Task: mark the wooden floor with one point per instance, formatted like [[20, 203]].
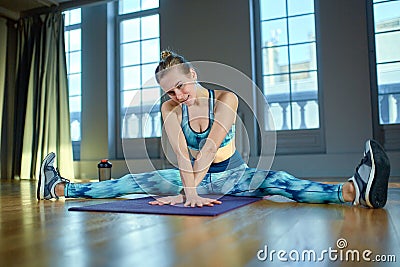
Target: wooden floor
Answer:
[[45, 233]]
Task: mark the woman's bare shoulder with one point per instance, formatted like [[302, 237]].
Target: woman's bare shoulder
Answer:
[[171, 106], [226, 97]]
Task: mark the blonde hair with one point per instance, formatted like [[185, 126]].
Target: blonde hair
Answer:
[[170, 59]]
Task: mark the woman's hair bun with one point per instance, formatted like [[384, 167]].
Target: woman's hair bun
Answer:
[[169, 59], [165, 54]]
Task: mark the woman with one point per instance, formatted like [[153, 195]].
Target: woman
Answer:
[[200, 124]]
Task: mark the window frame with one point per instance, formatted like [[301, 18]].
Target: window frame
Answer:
[[76, 145], [131, 148], [386, 134], [297, 141]]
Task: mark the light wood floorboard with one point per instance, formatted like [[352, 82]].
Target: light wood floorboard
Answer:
[[45, 233]]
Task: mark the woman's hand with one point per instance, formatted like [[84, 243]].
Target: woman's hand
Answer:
[[171, 200], [192, 201], [197, 201]]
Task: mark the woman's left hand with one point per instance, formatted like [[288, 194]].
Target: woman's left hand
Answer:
[[170, 200]]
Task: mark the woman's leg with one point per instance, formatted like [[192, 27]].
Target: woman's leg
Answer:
[[160, 182], [253, 182]]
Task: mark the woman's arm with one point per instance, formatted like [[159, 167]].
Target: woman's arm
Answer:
[[224, 116], [178, 144]]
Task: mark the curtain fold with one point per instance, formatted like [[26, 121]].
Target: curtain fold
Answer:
[[41, 122], [3, 56]]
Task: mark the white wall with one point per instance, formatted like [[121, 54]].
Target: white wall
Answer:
[[94, 83]]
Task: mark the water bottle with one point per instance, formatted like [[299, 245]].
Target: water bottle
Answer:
[[104, 167]]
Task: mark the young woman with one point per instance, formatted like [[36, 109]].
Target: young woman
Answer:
[[200, 124]]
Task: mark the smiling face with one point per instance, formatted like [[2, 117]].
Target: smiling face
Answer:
[[179, 86]]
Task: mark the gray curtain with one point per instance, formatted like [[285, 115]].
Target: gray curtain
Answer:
[[3, 55], [41, 114]]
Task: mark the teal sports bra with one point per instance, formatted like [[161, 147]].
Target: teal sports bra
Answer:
[[196, 140]]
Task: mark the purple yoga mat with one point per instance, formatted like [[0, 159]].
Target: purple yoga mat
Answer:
[[141, 205]]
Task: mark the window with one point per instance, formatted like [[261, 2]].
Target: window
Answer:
[[387, 59], [139, 49], [289, 64], [287, 71], [138, 45], [74, 73]]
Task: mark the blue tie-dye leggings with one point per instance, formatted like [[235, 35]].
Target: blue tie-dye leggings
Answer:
[[239, 181]]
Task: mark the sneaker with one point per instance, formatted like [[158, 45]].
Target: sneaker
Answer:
[[48, 179], [371, 177]]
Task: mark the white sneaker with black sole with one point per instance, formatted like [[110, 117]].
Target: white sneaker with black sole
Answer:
[[48, 179], [371, 177]]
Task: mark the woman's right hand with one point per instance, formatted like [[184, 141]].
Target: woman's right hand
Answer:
[[197, 201], [170, 200]]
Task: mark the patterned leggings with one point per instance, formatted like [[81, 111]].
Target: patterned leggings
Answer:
[[239, 181]]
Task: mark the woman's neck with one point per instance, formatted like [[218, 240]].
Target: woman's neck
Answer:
[[202, 96]]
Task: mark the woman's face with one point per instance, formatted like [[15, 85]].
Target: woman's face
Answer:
[[180, 87]]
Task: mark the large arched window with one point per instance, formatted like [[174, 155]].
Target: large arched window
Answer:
[[139, 53], [385, 66], [73, 50], [288, 71]]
